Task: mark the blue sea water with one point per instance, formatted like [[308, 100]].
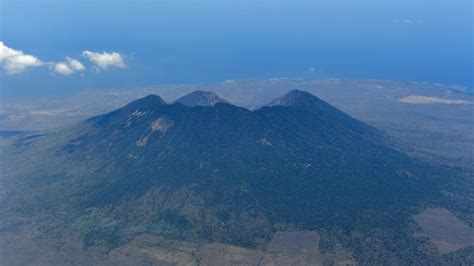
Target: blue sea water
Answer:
[[176, 42]]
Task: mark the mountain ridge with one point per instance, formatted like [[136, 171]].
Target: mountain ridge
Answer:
[[222, 173]]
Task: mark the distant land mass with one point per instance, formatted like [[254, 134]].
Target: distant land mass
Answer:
[[203, 181]]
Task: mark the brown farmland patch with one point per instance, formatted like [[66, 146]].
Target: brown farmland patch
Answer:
[[445, 230]]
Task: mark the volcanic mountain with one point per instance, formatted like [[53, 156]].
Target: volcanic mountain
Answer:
[[206, 170], [200, 98]]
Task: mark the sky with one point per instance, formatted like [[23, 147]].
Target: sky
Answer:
[[62, 47]]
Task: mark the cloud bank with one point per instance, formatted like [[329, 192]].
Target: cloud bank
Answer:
[[15, 61], [105, 60]]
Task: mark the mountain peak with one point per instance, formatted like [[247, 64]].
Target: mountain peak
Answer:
[[200, 98], [153, 98], [147, 101], [296, 98]]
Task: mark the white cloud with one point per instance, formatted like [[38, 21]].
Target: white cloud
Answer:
[[105, 60], [406, 21], [15, 61], [74, 64], [68, 67], [62, 68]]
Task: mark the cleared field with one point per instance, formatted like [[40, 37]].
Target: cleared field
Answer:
[[445, 230], [287, 248]]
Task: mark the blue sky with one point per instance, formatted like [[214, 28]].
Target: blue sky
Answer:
[[133, 44]]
